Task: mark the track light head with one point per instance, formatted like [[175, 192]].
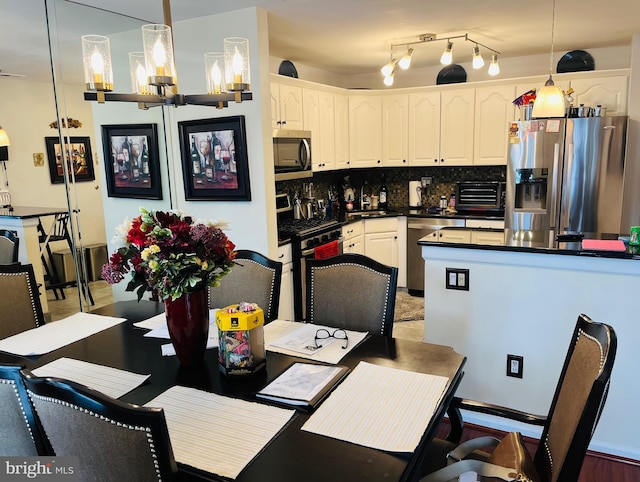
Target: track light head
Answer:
[[494, 68], [405, 61], [478, 61], [447, 55]]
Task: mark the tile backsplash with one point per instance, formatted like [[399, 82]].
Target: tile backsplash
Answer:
[[397, 180]]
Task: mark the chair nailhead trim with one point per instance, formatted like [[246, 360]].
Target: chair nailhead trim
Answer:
[[24, 414], [31, 297], [384, 313], [147, 430], [273, 282]]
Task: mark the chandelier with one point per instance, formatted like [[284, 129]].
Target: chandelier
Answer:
[[389, 69], [153, 73]]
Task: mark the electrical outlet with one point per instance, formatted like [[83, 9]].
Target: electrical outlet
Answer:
[[515, 366], [426, 181]]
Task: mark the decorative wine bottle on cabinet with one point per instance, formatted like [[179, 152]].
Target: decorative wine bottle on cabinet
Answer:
[[382, 200]]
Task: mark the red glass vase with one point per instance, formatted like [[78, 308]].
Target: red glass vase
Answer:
[[188, 323]]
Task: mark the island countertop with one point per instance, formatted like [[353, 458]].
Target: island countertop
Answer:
[[570, 248]]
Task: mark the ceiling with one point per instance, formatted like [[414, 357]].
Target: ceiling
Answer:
[[344, 37]]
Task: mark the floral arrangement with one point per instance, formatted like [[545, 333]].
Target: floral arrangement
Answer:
[[169, 253]]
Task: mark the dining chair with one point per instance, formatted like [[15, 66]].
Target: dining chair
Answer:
[[575, 410], [351, 291], [254, 279], [9, 246], [113, 440], [21, 434], [21, 308]]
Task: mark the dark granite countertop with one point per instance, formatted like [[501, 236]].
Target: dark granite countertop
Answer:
[[571, 248]]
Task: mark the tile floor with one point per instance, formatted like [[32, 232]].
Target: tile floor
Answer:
[[101, 292]]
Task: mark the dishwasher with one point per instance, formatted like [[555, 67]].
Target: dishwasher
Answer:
[[418, 228]]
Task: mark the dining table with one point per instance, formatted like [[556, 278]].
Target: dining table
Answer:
[[293, 453]]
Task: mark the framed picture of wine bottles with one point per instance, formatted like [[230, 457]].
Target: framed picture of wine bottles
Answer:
[[131, 161], [76, 156], [214, 159]]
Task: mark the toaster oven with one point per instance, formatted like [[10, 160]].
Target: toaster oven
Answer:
[[480, 196]]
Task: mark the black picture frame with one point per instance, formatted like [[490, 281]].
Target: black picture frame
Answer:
[[79, 149], [130, 171], [215, 165]]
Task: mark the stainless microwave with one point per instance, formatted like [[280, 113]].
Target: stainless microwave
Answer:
[[292, 154]]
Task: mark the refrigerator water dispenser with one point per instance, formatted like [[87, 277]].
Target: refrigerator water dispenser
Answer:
[[531, 189]]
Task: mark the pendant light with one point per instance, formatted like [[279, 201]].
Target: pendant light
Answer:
[[549, 99]]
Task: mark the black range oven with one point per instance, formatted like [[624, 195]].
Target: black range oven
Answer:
[[310, 238]]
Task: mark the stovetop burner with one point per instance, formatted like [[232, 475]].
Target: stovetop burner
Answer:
[[305, 227]]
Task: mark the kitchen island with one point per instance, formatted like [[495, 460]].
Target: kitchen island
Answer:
[[523, 299]]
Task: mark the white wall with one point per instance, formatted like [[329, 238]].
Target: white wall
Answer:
[[527, 304], [252, 223], [26, 110], [605, 59]]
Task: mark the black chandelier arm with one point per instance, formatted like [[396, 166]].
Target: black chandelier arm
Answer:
[[153, 100]]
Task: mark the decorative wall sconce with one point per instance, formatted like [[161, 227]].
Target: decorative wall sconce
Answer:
[[389, 69]]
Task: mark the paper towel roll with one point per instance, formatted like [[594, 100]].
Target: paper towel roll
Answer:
[[415, 194]]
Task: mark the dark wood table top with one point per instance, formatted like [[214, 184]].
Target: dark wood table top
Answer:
[[293, 454]]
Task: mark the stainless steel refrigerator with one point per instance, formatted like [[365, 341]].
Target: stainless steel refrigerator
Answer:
[[565, 177]]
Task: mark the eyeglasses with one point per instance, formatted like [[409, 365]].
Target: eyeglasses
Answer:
[[339, 334]]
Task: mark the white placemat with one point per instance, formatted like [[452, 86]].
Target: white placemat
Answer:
[[56, 334], [291, 338], [379, 407], [218, 434], [110, 381]]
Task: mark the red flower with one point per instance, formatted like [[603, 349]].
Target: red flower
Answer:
[[136, 235]]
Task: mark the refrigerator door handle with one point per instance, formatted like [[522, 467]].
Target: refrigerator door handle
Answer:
[[554, 187], [567, 190]]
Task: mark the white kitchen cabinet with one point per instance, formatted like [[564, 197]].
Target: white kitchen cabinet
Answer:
[[492, 238], [454, 236], [609, 92], [365, 131], [485, 223], [285, 310], [311, 122], [324, 144], [441, 128], [424, 128], [341, 106], [494, 110], [456, 127], [353, 237], [286, 107], [395, 130], [381, 240]]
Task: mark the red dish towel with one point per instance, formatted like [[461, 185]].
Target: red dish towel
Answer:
[[327, 250], [603, 245]]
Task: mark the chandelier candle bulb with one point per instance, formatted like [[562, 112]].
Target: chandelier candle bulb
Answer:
[[96, 55], [236, 64], [158, 54]]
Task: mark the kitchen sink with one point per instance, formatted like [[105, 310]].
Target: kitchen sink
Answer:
[[369, 213]]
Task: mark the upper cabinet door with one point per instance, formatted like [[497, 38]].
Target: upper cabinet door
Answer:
[[424, 129], [365, 131], [456, 135], [341, 106], [493, 112], [395, 127], [609, 92], [325, 141], [311, 121], [286, 107]]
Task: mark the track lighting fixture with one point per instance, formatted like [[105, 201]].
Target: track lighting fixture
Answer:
[[446, 59], [447, 55], [494, 68], [405, 61], [478, 61]]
